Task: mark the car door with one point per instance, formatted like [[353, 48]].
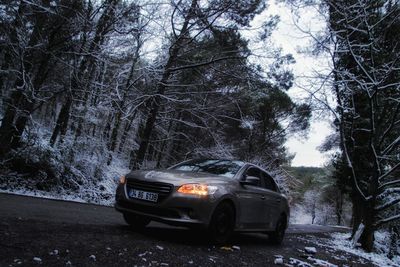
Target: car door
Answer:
[[273, 200], [252, 201]]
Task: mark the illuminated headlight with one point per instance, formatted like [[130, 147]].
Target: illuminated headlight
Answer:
[[197, 189], [122, 179]]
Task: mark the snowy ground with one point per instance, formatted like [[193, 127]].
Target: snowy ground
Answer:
[[105, 197], [340, 244], [99, 191], [341, 241]]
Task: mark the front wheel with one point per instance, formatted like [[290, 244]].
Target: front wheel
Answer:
[[276, 237], [136, 221], [222, 223]]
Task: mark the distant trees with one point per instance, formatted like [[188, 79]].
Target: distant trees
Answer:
[[318, 197]]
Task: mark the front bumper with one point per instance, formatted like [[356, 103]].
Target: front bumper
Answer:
[[176, 209]]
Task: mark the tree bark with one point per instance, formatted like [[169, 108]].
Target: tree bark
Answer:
[[62, 122], [339, 207], [127, 127]]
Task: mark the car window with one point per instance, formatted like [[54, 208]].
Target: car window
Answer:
[[254, 172], [269, 182], [226, 168]]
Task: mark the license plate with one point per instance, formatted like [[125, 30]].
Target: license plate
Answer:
[[139, 194]]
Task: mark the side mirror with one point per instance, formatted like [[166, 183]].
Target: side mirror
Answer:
[[251, 180]]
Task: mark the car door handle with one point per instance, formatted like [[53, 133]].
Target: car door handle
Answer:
[[263, 197]]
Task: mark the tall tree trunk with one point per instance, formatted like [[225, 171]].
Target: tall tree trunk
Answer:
[[357, 211], [164, 144], [7, 130], [339, 207], [62, 122], [161, 86], [127, 127], [368, 236]]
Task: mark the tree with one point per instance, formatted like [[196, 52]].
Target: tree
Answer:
[[367, 91], [362, 42]]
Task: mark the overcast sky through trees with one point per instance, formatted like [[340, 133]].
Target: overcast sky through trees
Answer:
[[290, 37]]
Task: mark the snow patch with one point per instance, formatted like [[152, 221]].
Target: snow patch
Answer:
[[340, 241], [299, 215], [278, 261], [53, 253], [299, 263], [321, 263], [247, 124], [18, 261], [310, 250], [37, 260]]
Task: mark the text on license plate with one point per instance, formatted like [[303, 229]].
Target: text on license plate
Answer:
[[139, 194]]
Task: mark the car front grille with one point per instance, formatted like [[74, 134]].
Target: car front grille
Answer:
[[162, 189]]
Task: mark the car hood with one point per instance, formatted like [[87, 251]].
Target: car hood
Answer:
[[178, 178]]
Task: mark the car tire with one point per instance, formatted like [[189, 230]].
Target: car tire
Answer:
[[222, 223], [276, 237], [136, 221]]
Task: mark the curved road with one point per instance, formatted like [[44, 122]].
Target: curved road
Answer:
[[36, 231]]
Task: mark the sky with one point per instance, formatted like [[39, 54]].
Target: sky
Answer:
[[291, 37]]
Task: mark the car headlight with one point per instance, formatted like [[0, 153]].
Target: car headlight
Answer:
[[197, 189], [122, 179]]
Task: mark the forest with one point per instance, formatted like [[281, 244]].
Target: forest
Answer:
[[91, 89]]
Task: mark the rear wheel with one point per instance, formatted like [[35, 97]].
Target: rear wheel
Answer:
[[136, 221], [222, 223], [276, 237]]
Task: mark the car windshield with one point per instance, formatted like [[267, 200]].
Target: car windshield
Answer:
[[226, 168]]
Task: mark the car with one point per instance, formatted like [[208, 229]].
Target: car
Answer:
[[219, 195]]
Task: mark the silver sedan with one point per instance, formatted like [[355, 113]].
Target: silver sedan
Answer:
[[221, 196]]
